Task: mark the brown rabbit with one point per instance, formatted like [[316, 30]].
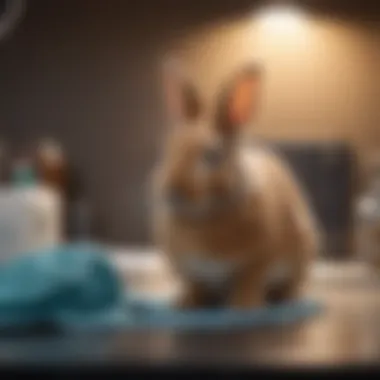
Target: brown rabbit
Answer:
[[230, 215]]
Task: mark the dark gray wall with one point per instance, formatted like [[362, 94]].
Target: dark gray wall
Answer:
[[85, 72]]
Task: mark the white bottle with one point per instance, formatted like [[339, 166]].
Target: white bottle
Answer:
[[30, 220]]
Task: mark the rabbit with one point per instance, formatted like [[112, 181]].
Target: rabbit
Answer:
[[228, 214]]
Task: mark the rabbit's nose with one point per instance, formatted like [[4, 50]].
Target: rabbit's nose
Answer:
[[184, 194], [174, 195]]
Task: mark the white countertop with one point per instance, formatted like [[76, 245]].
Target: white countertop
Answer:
[[147, 270]]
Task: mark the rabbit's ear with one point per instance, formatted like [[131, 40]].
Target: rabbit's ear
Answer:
[[239, 100], [181, 98]]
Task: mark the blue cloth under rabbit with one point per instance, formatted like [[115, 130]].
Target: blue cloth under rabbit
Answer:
[[76, 287]]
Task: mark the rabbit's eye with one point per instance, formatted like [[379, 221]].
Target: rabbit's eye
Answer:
[[212, 156]]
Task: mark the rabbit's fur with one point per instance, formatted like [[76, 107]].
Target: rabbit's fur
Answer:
[[229, 215]]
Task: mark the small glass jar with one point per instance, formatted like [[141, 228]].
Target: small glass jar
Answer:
[[368, 223], [4, 163]]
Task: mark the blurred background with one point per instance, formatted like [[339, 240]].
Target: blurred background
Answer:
[[81, 119]]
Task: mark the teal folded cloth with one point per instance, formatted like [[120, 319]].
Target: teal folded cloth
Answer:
[[76, 287], [68, 285]]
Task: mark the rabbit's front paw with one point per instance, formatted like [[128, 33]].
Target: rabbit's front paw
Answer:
[[248, 292], [192, 298], [246, 300]]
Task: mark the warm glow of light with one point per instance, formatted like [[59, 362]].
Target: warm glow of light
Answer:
[[281, 19]]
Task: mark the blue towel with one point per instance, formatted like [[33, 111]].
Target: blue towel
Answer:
[[76, 287]]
